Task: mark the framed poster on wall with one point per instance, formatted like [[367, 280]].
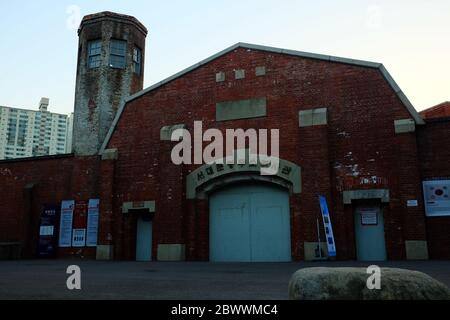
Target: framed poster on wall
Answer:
[[92, 222], [78, 237], [65, 223], [47, 230], [79, 224], [437, 197]]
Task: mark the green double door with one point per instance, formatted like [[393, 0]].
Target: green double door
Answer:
[[250, 222]]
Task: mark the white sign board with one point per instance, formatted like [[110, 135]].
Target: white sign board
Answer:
[[92, 223], [79, 237], [65, 223], [46, 231], [412, 203], [437, 197], [369, 217]]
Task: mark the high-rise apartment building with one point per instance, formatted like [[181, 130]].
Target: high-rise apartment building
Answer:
[[29, 133]]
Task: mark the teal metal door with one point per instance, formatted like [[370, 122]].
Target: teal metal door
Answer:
[[369, 232], [250, 223], [144, 239]]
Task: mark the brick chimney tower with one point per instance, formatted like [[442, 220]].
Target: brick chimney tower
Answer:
[[110, 68]]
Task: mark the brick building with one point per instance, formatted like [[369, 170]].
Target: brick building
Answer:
[[347, 132]]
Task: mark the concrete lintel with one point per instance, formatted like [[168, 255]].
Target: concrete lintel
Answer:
[[319, 116], [305, 118], [312, 117], [241, 109], [165, 133], [171, 252], [138, 205], [350, 195], [30, 185], [404, 125], [416, 249], [110, 154]]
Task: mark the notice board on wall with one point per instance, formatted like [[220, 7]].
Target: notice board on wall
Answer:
[[92, 222], [369, 217], [437, 197], [65, 223]]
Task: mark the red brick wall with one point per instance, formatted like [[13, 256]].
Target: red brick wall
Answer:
[[27, 185], [434, 157], [359, 141]]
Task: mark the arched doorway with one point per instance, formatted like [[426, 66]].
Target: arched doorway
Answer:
[[250, 222]]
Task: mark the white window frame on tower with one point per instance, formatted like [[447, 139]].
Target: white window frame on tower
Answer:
[[137, 60], [94, 53], [117, 53]]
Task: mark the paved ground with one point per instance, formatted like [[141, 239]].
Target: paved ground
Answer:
[[38, 279]]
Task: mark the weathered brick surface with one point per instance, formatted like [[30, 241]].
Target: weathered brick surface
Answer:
[[100, 91]]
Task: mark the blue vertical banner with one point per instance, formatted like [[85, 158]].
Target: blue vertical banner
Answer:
[[92, 222], [327, 227]]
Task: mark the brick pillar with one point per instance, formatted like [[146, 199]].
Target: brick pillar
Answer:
[[410, 188], [316, 180], [105, 242], [202, 235], [297, 248], [191, 230], [171, 208]]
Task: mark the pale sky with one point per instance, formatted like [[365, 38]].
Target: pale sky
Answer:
[[38, 40]]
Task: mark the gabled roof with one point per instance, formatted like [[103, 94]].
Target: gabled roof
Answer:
[[417, 118]]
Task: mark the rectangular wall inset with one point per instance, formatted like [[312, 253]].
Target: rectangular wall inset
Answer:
[[241, 109]]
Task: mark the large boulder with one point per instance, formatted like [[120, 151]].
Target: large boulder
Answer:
[[351, 284]]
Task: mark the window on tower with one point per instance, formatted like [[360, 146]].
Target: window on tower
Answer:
[[137, 58], [117, 54], [94, 53]]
